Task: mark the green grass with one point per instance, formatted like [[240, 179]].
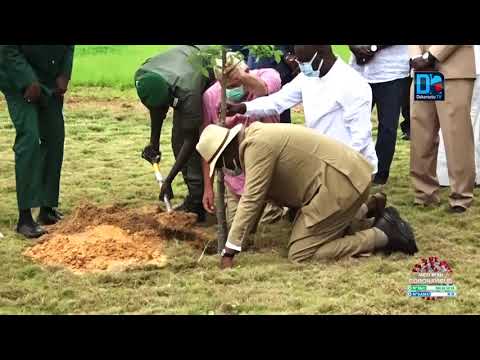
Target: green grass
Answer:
[[105, 132], [343, 51], [106, 128], [115, 65]]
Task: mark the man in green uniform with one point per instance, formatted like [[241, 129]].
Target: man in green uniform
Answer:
[[34, 79], [169, 80]]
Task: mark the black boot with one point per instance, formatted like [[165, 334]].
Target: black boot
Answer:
[[27, 227], [189, 207], [399, 232], [376, 205], [49, 216]]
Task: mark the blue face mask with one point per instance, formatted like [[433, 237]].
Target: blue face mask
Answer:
[[236, 94], [307, 69]]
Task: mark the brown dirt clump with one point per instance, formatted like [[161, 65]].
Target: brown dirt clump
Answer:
[[113, 238], [103, 247]]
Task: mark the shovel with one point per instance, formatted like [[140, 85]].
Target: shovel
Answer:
[[159, 178]]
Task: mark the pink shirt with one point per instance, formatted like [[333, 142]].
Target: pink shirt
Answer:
[[211, 103]]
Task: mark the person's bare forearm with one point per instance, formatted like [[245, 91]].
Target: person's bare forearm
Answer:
[[207, 181], [156, 123], [187, 149]]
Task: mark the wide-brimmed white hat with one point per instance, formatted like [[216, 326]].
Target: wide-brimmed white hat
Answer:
[[213, 142], [233, 60]]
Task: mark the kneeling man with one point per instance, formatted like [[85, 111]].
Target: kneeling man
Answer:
[[297, 167]]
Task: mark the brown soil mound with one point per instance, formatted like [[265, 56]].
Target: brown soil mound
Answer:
[[113, 238], [167, 225], [104, 247]]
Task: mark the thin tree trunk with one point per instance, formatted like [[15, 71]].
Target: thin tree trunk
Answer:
[[220, 206]]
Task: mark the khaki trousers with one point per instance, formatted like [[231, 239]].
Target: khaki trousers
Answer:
[[453, 117], [333, 238]]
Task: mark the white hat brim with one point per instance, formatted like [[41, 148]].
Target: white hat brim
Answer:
[[231, 135]]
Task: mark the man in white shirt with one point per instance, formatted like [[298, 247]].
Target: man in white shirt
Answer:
[[386, 68], [337, 101]]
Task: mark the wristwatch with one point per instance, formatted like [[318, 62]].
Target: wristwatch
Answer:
[[226, 254], [427, 56]]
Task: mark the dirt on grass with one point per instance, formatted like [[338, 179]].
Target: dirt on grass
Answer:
[[115, 238]]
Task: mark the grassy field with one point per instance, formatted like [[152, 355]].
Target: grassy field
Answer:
[[106, 128], [110, 66], [114, 66]]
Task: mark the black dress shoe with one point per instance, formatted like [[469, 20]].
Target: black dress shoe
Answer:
[[457, 209], [49, 217], [57, 214], [376, 205], [399, 232], [406, 137], [31, 231]]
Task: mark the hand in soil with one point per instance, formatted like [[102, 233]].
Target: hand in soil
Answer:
[[226, 262]]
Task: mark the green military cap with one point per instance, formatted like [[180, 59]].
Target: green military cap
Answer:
[[153, 90]]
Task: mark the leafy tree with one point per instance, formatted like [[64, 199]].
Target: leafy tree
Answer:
[[206, 61]]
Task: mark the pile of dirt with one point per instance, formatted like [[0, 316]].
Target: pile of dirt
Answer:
[[114, 238], [147, 219], [103, 247]]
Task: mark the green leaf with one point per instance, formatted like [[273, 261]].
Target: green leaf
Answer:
[[205, 59], [204, 72], [278, 57]]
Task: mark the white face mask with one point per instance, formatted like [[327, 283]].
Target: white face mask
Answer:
[[235, 172], [307, 69]]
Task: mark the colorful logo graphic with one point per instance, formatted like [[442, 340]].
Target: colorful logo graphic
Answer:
[[429, 86], [431, 280]]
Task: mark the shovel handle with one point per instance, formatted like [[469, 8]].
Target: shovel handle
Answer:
[[159, 178]]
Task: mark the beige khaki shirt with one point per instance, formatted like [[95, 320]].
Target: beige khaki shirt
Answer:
[[287, 164]]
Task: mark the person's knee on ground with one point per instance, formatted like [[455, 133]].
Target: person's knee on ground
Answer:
[[390, 233]]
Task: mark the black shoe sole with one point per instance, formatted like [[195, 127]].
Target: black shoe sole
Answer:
[[403, 229], [32, 236], [456, 210], [377, 213]]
